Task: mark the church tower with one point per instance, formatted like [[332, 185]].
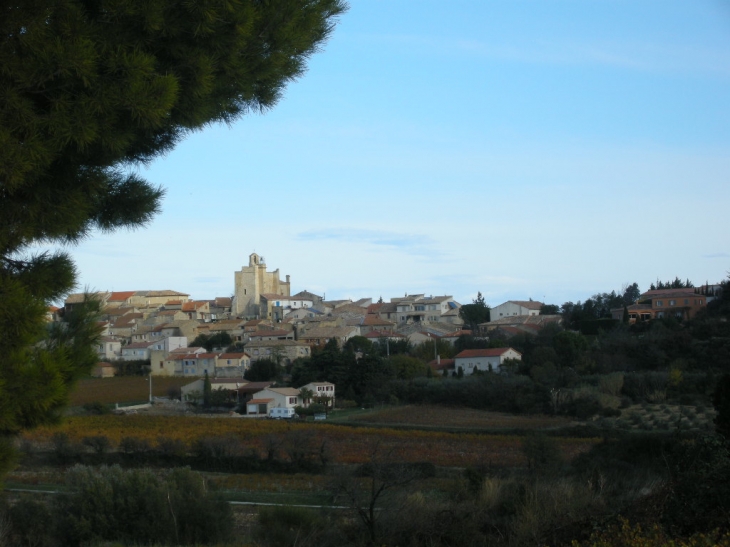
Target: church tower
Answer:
[[253, 281]]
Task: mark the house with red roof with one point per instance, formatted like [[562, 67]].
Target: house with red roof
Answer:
[[485, 360]]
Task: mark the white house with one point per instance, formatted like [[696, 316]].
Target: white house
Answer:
[[273, 397], [484, 359], [143, 350], [320, 389], [108, 348], [515, 307]]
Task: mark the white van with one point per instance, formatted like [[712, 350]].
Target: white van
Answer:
[[285, 413]]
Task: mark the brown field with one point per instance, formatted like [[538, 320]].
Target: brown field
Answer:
[[458, 418], [344, 444], [123, 389]]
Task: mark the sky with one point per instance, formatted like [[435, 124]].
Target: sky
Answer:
[[544, 149]]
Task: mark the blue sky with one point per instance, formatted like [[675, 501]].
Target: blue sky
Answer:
[[545, 149]]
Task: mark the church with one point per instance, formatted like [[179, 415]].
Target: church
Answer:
[[253, 281]]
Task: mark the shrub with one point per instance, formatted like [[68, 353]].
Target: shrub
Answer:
[[99, 444], [651, 536], [135, 448], [542, 452], [141, 507], [96, 407], [28, 524], [171, 447], [286, 526], [64, 451]]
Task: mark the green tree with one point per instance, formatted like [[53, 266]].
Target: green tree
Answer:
[[405, 367], [475, 313], [721, 401], [89, 91], [549, 309], [263, 370], [209, 342], [207, 391]]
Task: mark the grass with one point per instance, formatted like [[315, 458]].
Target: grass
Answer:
[[123, 389]]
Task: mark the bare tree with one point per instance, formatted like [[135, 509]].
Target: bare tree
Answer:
[[370, 488]]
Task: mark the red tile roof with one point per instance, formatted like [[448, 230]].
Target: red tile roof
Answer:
[[192, 306], [529, 304], [121, 296], [489, 352], [278, 332], [445, 363], [372, 319], [382, 334]]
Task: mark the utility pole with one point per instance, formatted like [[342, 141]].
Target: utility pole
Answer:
[[150, 379]]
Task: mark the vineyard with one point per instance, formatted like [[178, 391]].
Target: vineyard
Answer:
[[345, 445]]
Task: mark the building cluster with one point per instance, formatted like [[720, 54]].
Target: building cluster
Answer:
[[264, 398], [264, 319]]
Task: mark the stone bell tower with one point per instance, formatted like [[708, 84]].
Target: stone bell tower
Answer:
[[251, 282]]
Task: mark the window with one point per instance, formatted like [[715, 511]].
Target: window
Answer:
[[659, 303], [292, 400], [686, 301], [672, 302]]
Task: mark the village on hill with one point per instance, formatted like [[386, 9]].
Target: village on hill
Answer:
[[172, 334]]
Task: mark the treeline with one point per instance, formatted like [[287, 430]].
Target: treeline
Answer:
[[561, 370], [295, 452]]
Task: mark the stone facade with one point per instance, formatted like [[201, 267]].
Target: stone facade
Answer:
[[253, 281]]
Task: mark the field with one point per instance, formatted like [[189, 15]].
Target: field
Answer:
[[345, 445], [459, 418], [123, 389]]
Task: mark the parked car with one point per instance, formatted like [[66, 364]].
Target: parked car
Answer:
[[282, 413]]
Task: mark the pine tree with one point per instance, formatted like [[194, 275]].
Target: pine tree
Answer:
[[89, 89]]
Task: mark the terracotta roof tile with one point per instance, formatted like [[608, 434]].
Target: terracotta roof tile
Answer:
[[489, 352], [121, 296], [529, 304]]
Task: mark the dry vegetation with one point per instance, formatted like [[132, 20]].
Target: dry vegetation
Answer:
[[345, 445]]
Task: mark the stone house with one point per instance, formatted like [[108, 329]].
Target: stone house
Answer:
[[283, 350], [232, 365]]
